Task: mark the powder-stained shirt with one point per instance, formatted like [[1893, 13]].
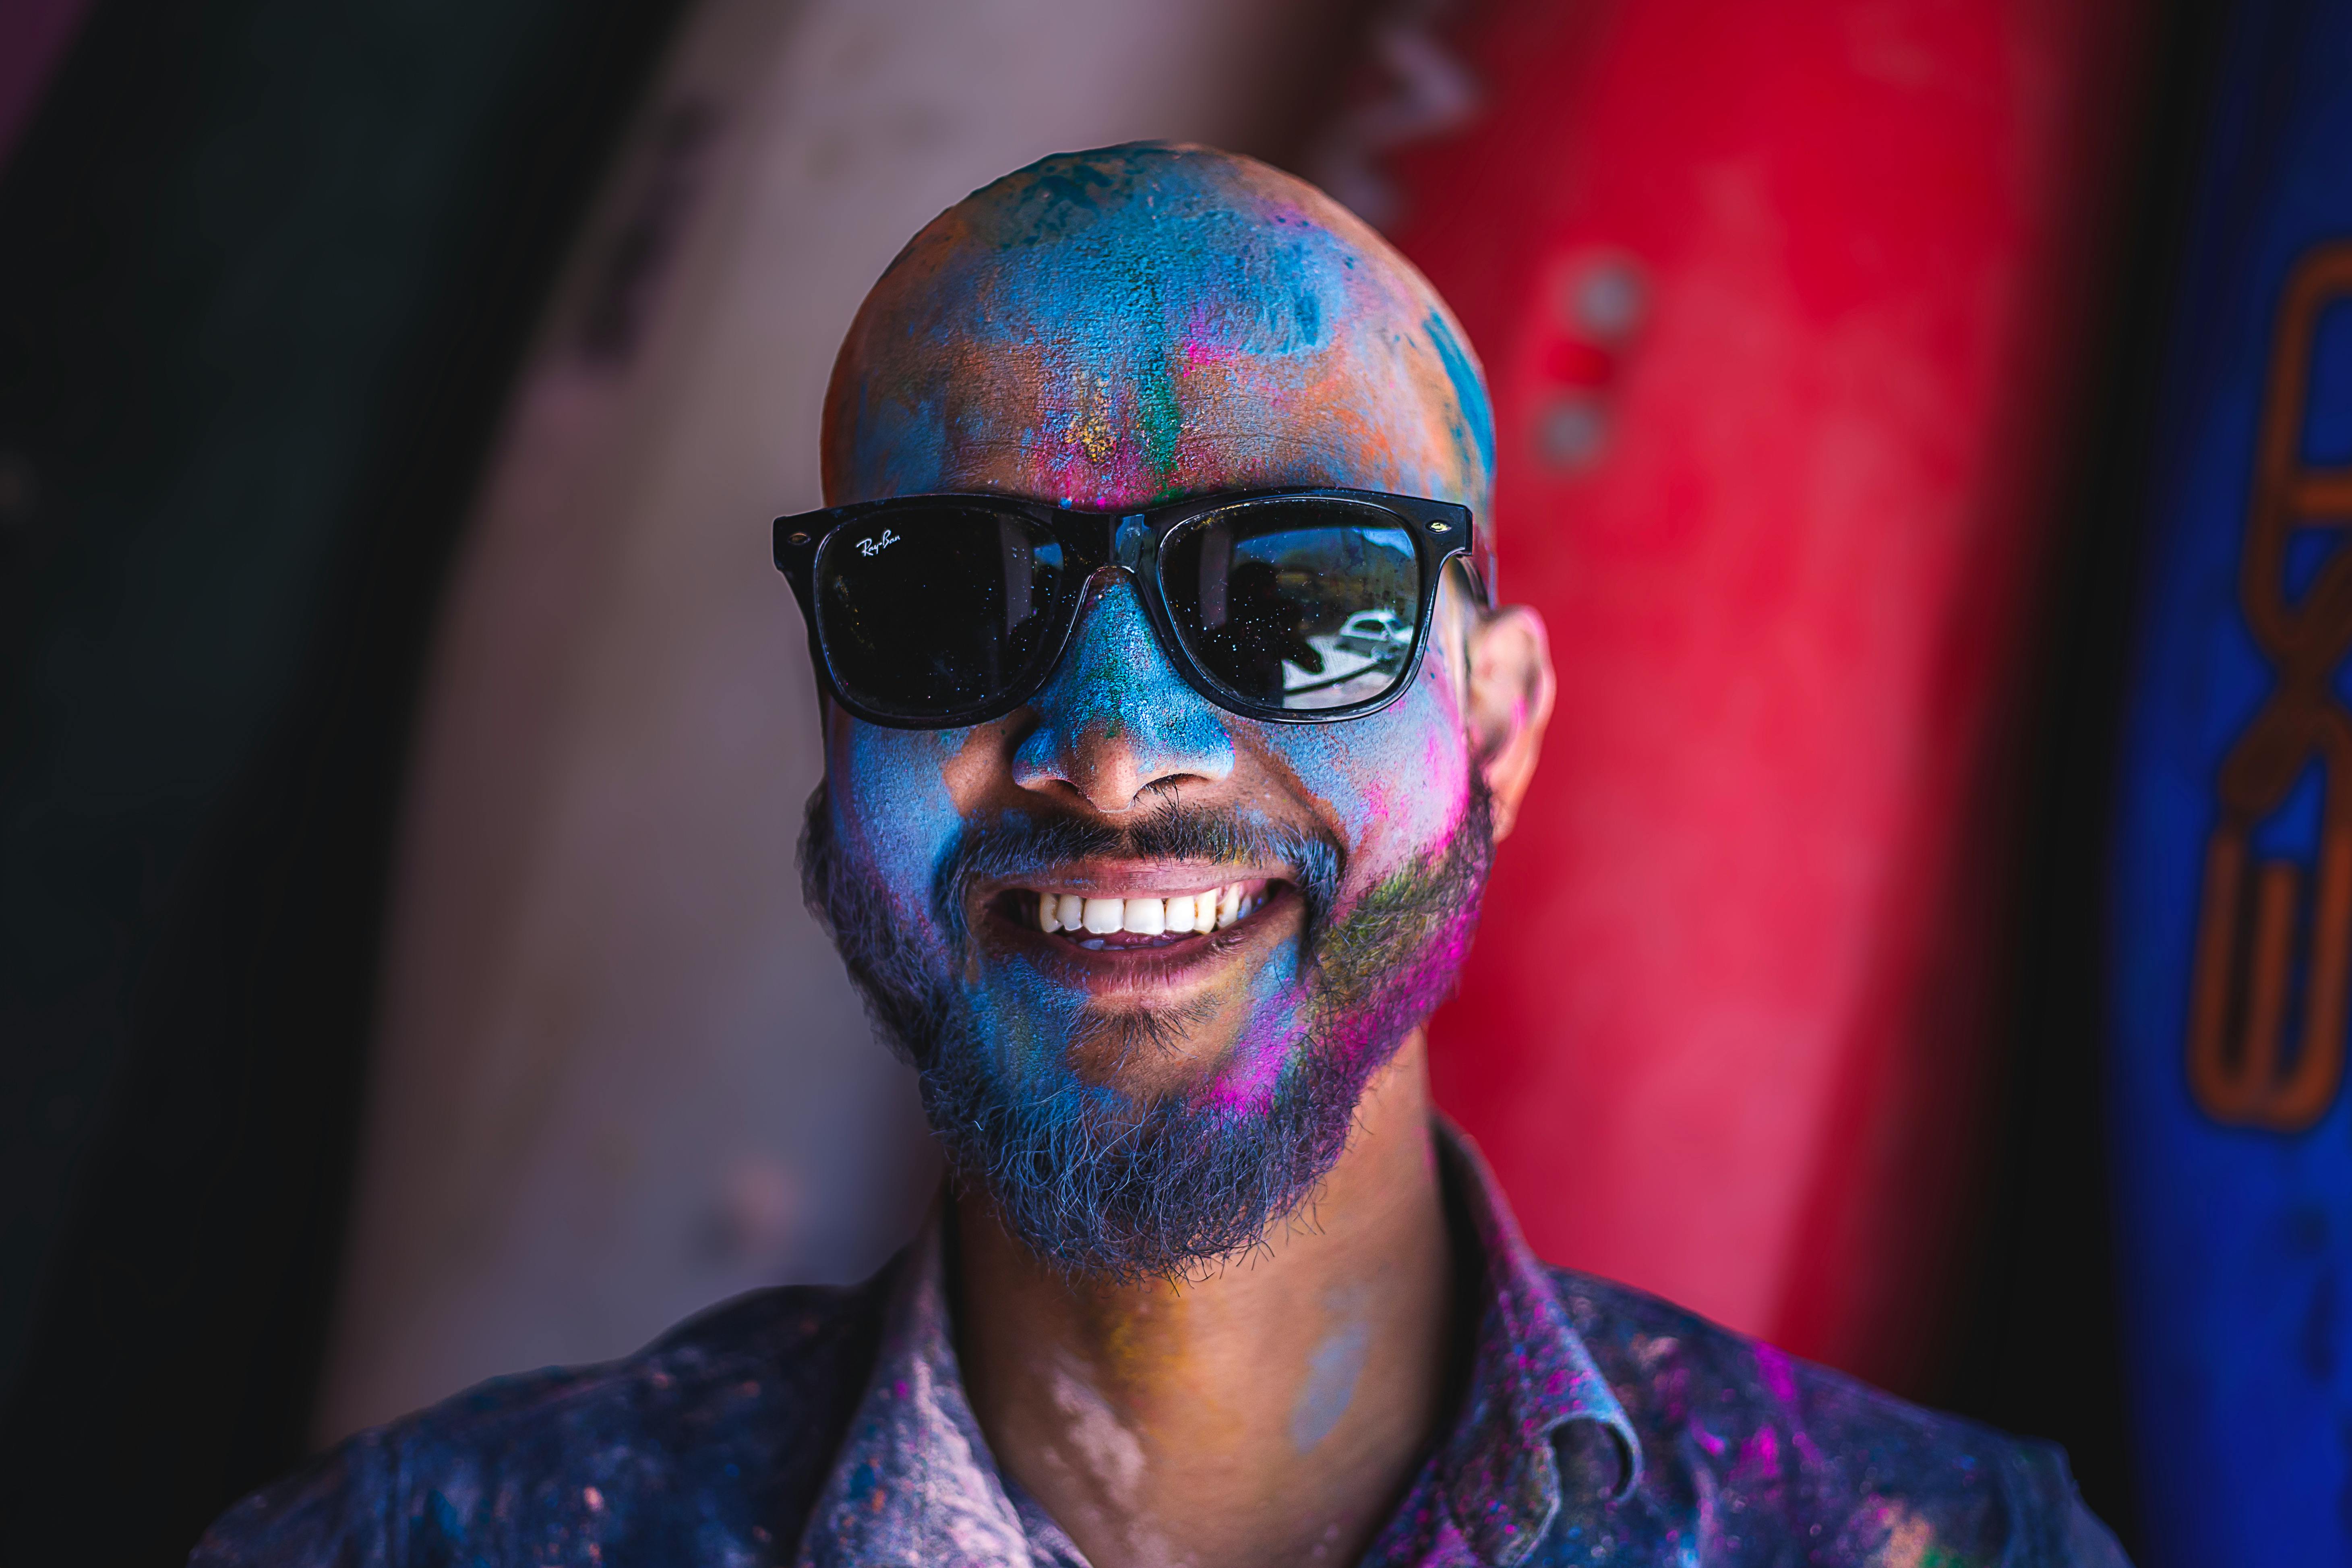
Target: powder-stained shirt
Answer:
[[830, 1427]]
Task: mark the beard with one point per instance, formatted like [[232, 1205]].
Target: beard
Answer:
[[1099, 1182]]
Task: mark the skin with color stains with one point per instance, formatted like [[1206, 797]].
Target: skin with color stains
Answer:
[[1332, 1371], [1114, 329]]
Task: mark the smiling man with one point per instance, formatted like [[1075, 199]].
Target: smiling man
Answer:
[[1171, 733]]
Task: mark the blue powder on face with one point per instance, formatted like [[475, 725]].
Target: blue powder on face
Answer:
[[893, 821], [1114, 681]]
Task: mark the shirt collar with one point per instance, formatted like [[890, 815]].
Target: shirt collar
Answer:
[[1530, 1378], [913, 1480]]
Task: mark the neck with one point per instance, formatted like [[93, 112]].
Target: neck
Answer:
[[1271, 1412]]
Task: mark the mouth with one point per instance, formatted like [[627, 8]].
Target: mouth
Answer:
[[1101, 917]]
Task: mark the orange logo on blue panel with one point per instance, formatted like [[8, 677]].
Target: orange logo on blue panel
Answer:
[[2273, 968]]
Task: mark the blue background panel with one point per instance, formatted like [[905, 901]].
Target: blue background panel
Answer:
[[2236, 1242]]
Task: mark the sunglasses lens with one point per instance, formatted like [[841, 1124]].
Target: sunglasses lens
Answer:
[[940, 613], [1304, 605]]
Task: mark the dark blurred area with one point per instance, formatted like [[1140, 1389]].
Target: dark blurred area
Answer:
[[268, 269], [2039, 1347]]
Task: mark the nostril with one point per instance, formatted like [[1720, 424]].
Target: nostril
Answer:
[[1118, 768]]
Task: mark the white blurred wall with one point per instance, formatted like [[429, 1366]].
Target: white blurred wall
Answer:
[[619, 1074]]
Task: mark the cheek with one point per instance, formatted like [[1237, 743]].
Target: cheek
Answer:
[[892, 811], [1392, 785], [1026, 1024]]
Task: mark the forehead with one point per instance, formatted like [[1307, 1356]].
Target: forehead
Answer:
[[1117, 328]]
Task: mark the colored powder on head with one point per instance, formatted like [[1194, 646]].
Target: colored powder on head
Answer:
[[1177, 320], [1477, 422]]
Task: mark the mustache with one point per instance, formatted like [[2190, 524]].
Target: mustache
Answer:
[[1014, 847]]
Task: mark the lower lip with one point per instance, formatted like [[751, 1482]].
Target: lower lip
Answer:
[[1129, 941]]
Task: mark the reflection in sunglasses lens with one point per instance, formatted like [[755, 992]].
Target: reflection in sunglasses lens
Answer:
[[1296, 606]]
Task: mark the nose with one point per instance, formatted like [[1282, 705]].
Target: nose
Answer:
[[1115, 723]]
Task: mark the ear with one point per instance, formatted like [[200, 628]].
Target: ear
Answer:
[[1510, 697]]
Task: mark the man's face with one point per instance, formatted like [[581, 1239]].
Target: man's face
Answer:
[[1142, 1099]]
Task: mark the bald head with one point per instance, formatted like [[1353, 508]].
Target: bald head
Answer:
[[1122, 326]]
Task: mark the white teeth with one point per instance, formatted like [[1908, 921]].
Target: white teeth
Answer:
[[1212, 911]]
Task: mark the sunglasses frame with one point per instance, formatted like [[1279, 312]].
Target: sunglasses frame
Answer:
[[1130, 540]]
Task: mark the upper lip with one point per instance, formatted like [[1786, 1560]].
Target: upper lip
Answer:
[[1132, 878]]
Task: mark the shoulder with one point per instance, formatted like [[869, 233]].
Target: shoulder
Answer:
[[728, 1422], [1757, 1449]]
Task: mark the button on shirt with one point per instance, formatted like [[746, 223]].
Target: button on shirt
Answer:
[[830, 1427]]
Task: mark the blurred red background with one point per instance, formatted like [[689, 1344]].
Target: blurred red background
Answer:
[[1785, 310]]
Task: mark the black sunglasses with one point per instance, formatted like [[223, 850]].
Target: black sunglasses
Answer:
[[1296, 605]]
